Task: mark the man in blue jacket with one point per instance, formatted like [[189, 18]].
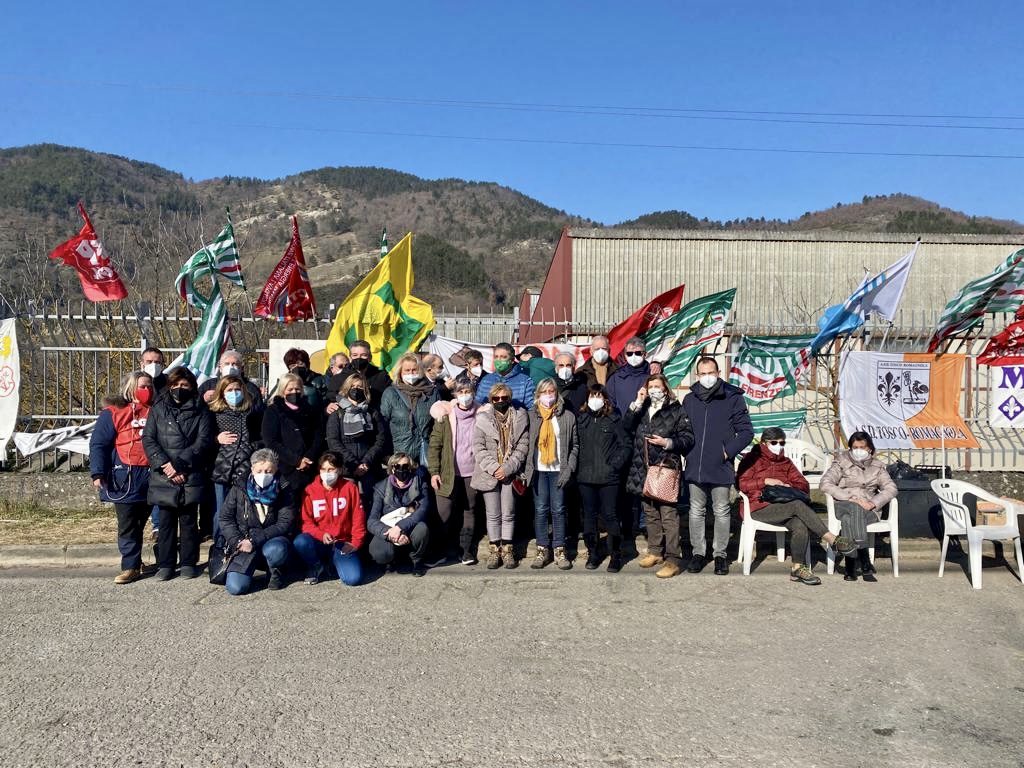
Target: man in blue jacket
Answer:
[[721, 429], [623, 385], [507, 371]]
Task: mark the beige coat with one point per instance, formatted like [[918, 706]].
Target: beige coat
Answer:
[[868, 480], [486, 442]]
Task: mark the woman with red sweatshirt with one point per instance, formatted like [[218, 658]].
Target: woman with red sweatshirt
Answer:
[[333, 524], [767, 465]]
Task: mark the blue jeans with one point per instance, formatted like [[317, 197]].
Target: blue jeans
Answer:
[[273, 554], [220, 491], [314, 552], [549, 509]]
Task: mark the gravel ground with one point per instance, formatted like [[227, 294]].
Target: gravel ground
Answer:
[[467, 667]]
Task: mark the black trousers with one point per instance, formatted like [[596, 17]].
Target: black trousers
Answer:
[[383, 551], [600, 501], [452, 524], [171, 519], [131, 521]]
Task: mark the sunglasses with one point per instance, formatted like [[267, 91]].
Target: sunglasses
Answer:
[[403, 466], [500, 399], [776, 442]]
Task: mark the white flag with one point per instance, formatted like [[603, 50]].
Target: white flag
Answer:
[[883, 292], [10, 382]]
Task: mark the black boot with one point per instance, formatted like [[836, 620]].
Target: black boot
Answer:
[[468, 550], [867, 570], [615, 561], [276, 579], [593, 557], [851, 569]]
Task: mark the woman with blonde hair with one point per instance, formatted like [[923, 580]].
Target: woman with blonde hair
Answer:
[[237, 434], [405, 407], [294, 430], [358, 435]]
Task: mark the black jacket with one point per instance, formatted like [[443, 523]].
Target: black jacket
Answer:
[[671, 422], [375, 377], [721, 428], [368, 448], [239, 520], [181, 435], [605, 448], [294, 435], [231, 464], [574, 391]]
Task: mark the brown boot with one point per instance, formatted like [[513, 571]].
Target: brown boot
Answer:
[[563, 562], [668, 570], [493, 557], [508, 556], [542, 558], [649, 561], [128, 576]]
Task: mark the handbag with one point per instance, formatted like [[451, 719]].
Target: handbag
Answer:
[[780, 494], [218, 561], [519, 485], [662, 480]]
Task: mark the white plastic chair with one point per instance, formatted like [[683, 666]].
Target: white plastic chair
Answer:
[[750, 528], [799, 451], [889, 524], [957, 519]]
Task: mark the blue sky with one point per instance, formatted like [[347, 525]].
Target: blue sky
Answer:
[[261, 89]]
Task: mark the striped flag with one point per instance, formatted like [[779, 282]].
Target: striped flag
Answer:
[[790, 422], [384, 242], [767, 367], [678, 341], [213, 338], [219, 256], [1001, 290]]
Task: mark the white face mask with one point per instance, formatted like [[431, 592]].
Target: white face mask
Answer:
[[860, 454], [410, 378], [432, 376], [565, 373], [263, 479], [776, 449], [477, 371], [595, 403], [153, 369], [230, 370], [328, 478], [636, 359], [708, 380], [600, 356], [656, 395], [465, 400]]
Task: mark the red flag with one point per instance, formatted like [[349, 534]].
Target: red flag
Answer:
[[84, 252], [640, 322], [1007, 346], [288, 295]]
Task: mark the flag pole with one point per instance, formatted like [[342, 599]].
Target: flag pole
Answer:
[[881, 345]]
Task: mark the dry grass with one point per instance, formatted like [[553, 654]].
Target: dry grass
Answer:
[[25, 522]]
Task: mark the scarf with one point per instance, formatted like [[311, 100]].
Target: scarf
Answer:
[[414, 393], [355, 418], [504, 425], [262, 496], [546, 442], [703, 392]]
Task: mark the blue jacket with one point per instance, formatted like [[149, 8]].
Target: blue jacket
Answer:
[[387, 498], [721, 429], [516, 378], [122, 483], [623, 385]]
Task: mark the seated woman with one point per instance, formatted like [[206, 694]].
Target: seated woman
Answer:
[[255, 521], [767, 465], [399, 515], [861, 486], [333, 524]]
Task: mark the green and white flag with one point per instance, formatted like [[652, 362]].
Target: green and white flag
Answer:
[[790, 422], [384, 242], [678, 341], [767, 367], [220, 256], [213, 338], [1001, 290]]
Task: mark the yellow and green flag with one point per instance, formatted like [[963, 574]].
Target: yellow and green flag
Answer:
[[382, 311]]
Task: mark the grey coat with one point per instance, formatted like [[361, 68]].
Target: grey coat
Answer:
[[568, 443], [869, 480], [486, 442]]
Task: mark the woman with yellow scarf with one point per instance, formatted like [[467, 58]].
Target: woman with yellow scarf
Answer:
[[550, 465]]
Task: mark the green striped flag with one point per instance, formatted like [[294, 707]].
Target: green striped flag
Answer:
[[213, 338], [767, 367], [384, 242], [790, 422], [219, 256], [1001, 290], [678, 341]]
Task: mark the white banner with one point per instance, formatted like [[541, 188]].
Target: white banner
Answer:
[[448, 348], [10, 382], [1006, 397], [275, 363], [74, 439]]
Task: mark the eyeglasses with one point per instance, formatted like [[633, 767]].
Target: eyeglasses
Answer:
[[776, 442], [500, 399], [403, 466]]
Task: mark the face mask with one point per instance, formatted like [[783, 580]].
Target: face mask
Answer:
[[263, 479], [547, 400], [403, 474], [502, 365], [465, 400], [153, 369], [293, 399], [328, 478], [233, 398], [144, 396], [656, 395], [595, 403], [776, 449], [180, 395], [433, 375], [301, 371], [708, 380], [230, 370], [410, 378], [356, 395], [477, 371], [360, 364], [502, 406], [860, 454], [636, 359], [565, 373], [600, 356]]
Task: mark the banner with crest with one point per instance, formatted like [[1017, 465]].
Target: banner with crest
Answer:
[[904, 400]]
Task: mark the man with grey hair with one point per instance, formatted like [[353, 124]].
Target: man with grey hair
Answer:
[[232, 363], [433, 369], [627, 380], [600, 367], [572, 385]]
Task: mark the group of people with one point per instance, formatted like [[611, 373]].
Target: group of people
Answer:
[[335, 470]]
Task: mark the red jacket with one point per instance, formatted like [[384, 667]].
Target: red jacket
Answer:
[[761, 464], [337, 511], [129, 421]]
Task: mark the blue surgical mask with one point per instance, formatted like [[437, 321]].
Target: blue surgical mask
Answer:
[[233, 398]]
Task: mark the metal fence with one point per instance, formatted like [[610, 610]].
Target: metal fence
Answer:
[[73, 356]]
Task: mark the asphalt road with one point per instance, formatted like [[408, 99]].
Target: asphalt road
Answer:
[[515, 668]]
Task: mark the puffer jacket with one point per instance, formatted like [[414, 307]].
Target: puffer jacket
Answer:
[[409, 428], [721, 430], [231, 465], [387, 498], [605, 448], [869, 480], [116, 454], [239, 520], [568, 444], [760, 465], [670, 421], [516, 379], [183, 436], [487, 441], [295, 435]]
